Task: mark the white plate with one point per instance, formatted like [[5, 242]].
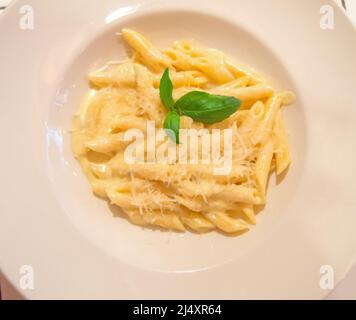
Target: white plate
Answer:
[[78, 249]]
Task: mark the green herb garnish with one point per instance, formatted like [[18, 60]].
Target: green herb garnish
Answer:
[[166, 90], [172, 124], [198, 105]]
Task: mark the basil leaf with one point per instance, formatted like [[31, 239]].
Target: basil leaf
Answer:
[[207, 108], [165, 90], [171, 125]]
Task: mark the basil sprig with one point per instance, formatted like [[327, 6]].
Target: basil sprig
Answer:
[[208, 108], [171, 125], [166, 90], [198, 105]]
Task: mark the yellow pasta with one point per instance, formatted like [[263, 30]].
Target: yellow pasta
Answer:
[[282, 153], [249, 211], [149, 54], [263, 132], [236, 83], [179, 60], [125, 99], [115, 75], [263, 165], [226, 223], [196, 221], [256, 92], [185, 79]]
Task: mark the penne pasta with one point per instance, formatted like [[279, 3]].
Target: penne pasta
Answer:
[[226, 223], [149, 54], [263, 165], [282, 154], [176, 186]]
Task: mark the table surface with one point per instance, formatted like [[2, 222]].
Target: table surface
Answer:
[[345, 290]]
